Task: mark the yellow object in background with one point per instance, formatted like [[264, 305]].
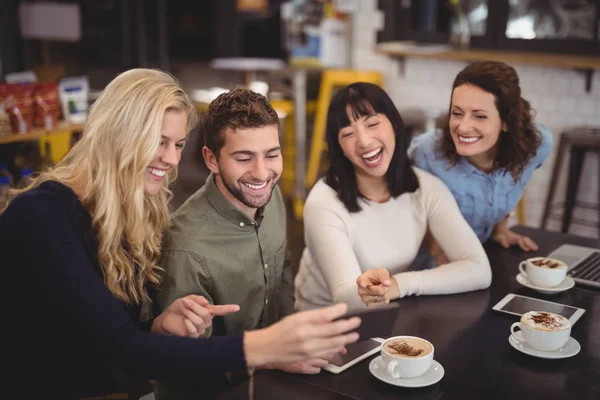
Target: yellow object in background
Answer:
[[288, 144], [252, 5], [521, 211], [60, 144]]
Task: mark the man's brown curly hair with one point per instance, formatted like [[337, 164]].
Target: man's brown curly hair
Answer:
[[240, 108], [521, 141]]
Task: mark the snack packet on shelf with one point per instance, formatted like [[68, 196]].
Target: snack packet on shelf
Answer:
[[73, 94]]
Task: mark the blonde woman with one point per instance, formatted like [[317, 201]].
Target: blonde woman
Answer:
[[79, 252]]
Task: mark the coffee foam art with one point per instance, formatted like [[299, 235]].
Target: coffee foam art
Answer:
[[544, 262], [545, 321], [408, 347]]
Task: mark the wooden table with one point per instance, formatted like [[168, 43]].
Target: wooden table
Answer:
[[471, 343]]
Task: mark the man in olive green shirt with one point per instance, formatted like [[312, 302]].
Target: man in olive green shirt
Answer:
[[215, 250], [227, 242]]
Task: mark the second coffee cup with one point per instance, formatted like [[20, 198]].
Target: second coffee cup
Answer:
[[406, 356], [543, 331], [543, 271]]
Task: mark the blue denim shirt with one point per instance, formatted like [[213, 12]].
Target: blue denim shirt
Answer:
[[484, 199]]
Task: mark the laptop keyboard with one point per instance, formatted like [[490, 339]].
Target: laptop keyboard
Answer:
[[588, 269]]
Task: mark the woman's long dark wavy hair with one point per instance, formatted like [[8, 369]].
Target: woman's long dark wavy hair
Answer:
[[520, 142], [362, 100]]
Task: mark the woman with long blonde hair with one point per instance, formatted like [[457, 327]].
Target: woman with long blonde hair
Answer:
[[79, 250]]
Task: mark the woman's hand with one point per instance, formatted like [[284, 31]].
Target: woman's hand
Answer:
[[301, 338], [375, 286], [190, 316], [508, 238], [309, 367]]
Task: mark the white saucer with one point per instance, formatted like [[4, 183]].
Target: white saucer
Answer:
[[568, 350], [431, 376], [566, 284]]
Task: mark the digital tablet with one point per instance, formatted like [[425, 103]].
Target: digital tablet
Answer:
[[356, 352], [377, 321], [376, 326], [518, 305]]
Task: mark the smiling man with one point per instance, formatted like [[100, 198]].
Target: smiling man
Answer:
[[227, 242]]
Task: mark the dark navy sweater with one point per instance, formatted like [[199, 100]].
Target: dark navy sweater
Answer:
[[63, 330]]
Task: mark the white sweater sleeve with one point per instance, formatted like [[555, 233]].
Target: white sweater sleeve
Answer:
[[329, 241], [469, 268]]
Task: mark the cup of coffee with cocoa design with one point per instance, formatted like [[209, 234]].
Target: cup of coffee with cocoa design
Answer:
[[406, 356], [543, 331], [543, 271]]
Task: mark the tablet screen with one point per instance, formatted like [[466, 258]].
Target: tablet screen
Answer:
[[355, 350], [520, 305]]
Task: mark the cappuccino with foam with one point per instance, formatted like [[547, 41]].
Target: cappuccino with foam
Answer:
[[543, 271], [544, 331], [545, 321], [406, 356], [545, 262], [408, 347]]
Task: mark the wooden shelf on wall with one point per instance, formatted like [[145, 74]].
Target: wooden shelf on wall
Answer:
[[585, 64], [400, 49], [37, 133]]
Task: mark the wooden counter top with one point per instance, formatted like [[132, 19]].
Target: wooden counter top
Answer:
[[36, 133]]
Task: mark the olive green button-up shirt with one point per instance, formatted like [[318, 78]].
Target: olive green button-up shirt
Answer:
[[215, 250]]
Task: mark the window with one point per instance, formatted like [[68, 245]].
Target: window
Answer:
[[430, 21], [554, 19], [559, 26]]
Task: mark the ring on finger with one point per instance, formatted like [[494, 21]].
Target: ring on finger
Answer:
[[376, 299]]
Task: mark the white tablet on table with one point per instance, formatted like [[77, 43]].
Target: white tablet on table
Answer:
[[518, 305], [356, 352]]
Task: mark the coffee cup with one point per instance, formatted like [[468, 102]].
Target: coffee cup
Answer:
[[543, 271], [406, 356], [543, 331]]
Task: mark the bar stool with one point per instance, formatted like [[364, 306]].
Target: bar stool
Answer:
[[285, 110], [579, 141]]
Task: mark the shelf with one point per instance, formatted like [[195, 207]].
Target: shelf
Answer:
[[400, 49], [37, 133], [586, 64]]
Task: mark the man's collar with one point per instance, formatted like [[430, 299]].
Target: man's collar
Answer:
[[226, 208]]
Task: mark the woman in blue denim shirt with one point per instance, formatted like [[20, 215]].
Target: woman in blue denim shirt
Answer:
[[487, 152]]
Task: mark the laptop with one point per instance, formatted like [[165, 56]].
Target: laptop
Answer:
[[583, 263]]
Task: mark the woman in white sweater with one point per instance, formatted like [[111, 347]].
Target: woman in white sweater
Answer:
[[365, 221]]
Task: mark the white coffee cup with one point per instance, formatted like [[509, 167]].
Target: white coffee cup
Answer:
[[543, 336], [414, 359], [548, 272]]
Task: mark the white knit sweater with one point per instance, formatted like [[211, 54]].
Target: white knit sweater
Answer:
[[341, 245]]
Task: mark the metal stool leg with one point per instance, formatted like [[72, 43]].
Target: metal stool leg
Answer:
[[521, 211], [318, 139], [562, 147], [576, 163], [598, 188]]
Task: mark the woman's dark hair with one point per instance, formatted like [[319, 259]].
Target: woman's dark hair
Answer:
[[363, 100], [521, 141]]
